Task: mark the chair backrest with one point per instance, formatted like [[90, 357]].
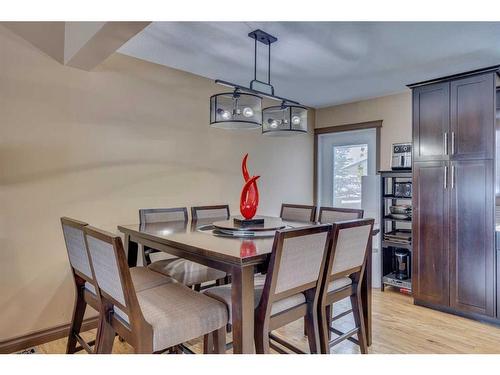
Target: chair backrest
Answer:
[[111, 272], [333, 214], [298, 212], [75, 245], [297, 263], [350, 247], [210, 212], [162, 215]]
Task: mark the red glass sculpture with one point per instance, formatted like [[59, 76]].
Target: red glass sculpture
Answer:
[[249, 199], [247, 248]]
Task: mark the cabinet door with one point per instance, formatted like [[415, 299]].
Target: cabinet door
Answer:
[[472, 122], [472, 237], [431, 122], [430, 232]]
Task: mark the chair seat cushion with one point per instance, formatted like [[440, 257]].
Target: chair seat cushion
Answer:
[[223, 293], [339, 284], [187, 272], [142, 278], [179, 314]]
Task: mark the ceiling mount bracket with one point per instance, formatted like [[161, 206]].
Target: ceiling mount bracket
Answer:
[[263, 37]]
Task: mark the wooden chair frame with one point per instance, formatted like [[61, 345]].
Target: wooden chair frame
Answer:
[[356, 211], [353, 291], [265, 323], [83, 297], [195, 209], [138, 332], [312, 217]]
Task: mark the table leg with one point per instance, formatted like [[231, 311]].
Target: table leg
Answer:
[[131, 249], [243, 307], [366, 295]]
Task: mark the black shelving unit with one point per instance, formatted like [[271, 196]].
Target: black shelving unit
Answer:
[[389, 224]]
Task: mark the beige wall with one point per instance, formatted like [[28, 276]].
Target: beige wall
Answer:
[[99, 145], [394, 110]]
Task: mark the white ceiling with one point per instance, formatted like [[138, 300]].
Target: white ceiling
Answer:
[[323, 63]]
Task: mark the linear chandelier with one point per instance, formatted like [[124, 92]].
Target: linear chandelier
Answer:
[[242, 108]]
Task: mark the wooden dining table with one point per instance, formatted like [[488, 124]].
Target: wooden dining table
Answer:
[[239, 257]]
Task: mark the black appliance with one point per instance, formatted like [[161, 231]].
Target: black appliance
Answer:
[[402, 258], [402, 189]]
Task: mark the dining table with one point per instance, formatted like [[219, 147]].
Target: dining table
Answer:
[[241, 258]]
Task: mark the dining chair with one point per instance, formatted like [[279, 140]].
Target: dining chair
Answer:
[[85, 286], [333, 214], [290, 289], [151, 320], [343, 277], [210, 212], [298, 212], [185, 271]]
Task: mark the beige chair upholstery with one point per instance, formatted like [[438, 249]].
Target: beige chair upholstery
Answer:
[[350, 251], [162, 215], [210, 212], [142, 278], [339, 284], [223, 293], [179, 314], [297, 213], [77, 250], [186, 272], [333, 215]]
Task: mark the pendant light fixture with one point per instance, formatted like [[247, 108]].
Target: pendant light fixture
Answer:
[[242, 108]]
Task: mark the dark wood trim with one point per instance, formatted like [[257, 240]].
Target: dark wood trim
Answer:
[[377, 125], [41, 337], [494, 68], [349, 127]]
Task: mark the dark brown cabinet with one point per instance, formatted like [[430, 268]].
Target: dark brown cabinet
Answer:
[[472, 117], [472, 256], [431, 121], [455, 259], [430, 232]]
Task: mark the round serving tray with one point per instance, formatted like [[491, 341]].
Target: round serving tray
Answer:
[[270, 224]]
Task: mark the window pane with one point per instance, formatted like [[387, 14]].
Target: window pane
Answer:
[[349, 164]]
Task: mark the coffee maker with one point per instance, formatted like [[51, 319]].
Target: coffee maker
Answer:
[[402, 259]]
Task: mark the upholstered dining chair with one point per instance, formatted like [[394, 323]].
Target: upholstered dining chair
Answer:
[[85, 286], [298, 212], [210, 212], [185, 271], [290, 289], [333, 214], [343, 277], [151, 320]]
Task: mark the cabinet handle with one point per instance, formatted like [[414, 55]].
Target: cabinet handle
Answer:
[[445, 142], [453, 176], [453, 143], [446, 177]]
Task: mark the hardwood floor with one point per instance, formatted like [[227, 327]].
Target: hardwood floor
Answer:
[[398, 327]]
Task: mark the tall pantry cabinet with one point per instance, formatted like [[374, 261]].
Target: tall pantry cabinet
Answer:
[[454, 266]]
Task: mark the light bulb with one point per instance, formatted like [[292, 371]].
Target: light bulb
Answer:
[[272, 123], [296, 120], [247, 112], [226, 115]]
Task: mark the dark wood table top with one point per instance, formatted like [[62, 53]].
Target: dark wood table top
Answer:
[[188, 237]]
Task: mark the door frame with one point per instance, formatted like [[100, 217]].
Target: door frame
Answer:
[[377, 125]]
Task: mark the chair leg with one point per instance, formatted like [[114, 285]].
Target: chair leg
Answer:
[[106, 334], [357, 309], [323, 330], [76, 321], [219, 341], [261, 337], [329, 309], [208, 344], [197, 287], [311, 322]]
